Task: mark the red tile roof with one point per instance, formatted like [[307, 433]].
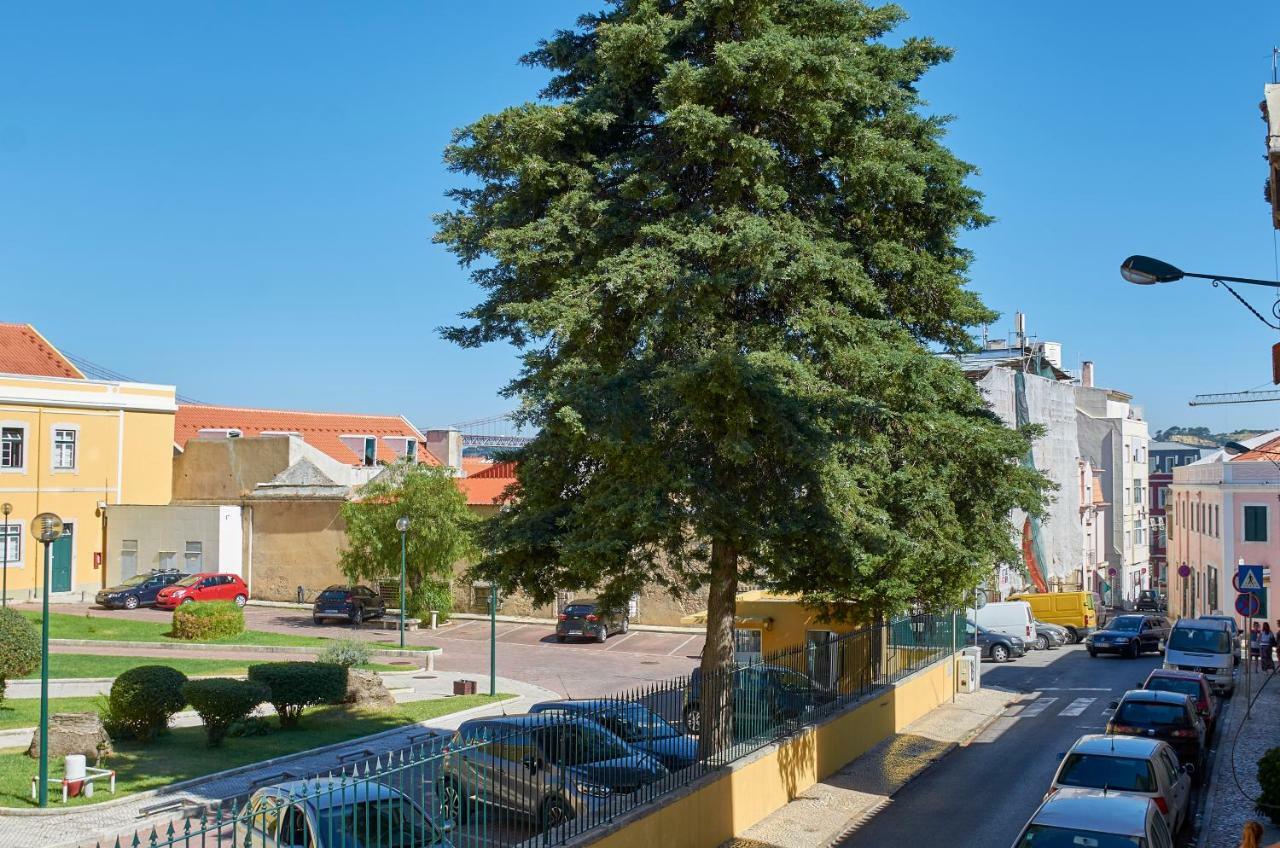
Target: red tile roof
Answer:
[[24, 351], [321, 430], [506, 470], [484, 491], [1268, 450], [473, 464]]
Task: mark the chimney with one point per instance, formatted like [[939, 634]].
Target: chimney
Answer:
[[1086, 374], [446, 446]]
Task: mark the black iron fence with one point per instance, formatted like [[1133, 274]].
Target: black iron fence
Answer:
[[567, 766]]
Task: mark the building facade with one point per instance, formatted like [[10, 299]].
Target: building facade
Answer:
[[1223, 510], [72, 446], [1164, 458]]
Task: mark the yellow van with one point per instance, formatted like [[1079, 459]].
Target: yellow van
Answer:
[[1076, 611]]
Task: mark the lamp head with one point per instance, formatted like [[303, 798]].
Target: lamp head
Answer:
[[1236, 449], [46, 527], [402, 524], [1145, 271], [6, 509]]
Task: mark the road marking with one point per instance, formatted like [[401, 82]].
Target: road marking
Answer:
[[513, 630], [1035, 708], [674, 650], [1073, 689], [1078, 706], [616, 642]]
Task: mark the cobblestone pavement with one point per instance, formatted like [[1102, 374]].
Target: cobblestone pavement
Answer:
[[1241, 744]]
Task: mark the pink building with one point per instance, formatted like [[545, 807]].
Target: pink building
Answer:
[[1223, 510]]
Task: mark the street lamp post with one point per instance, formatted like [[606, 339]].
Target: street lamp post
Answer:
[[402, 524], [46, 527], [4, 579], [1145, 271]]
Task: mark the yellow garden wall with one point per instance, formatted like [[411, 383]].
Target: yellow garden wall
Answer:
[[724, 805]]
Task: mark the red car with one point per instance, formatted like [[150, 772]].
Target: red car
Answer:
[[205, 586], [1193, 684]]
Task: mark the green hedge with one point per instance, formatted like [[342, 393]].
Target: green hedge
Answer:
[[431, 595], [294, 686], [208, 620], [19, 647], [142, 701], [222, 702]]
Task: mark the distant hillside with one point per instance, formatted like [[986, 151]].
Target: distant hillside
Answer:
[[1201, 437]]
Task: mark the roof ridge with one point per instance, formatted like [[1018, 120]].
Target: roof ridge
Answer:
[[391, 416]]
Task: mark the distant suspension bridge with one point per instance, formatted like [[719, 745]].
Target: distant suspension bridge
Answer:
[[493, 432]]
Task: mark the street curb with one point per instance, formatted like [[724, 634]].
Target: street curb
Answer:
[[181, 785], [205, 646], [1219, 762]]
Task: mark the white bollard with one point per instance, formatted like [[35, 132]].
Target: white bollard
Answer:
[[434, 616], [431, 661], [75, 767]]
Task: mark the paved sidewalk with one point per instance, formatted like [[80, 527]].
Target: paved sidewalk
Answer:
[[78, 826], [1241, 742], [834, 807]]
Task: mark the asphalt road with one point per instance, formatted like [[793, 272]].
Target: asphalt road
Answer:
[[987, 790]]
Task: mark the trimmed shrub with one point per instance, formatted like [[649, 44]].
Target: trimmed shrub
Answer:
[[345, 652], [19, 647], [207, 620], [142, 701], [431, 595], [223, 702], [294, 686], [1269, 780]]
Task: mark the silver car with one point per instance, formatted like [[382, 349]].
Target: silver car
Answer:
[[1132, 765], [336, 814], [549, 768], [1096, 818]]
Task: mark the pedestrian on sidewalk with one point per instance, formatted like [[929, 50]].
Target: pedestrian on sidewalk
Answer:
[[1266, 642], [1255, 633], [1252, 837]]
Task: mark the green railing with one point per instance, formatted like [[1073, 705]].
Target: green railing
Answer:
[[566, 767]]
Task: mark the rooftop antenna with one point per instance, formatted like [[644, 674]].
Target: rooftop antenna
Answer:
[[1020, 328], [1275, 51]]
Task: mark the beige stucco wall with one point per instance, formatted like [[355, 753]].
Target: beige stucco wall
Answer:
[[225, 470], [295, 543]]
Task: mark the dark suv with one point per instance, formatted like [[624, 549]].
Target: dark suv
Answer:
[[1149, 600], [1169, 716], [588, 618], [354, 603], [1129, 636], [138, 591]]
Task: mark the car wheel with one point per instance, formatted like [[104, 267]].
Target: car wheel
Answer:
[[1134, 651], [1042, 643], [241, 600], [626, 625], [1093, 653], [553, 813], [357, 617], [692, 716], [452, 804], [1072, 636], [603, 634], [317, 620], [999, 653], [131, 603], [188, 601]]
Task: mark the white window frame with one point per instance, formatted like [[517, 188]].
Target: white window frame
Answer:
[[17, 529], [411, 449], [54, 467], [26, 446], [187, 554]]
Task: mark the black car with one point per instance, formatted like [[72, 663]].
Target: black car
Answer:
[[1149, 600], [354, 603], [1129, 636], [996, 647], [587, 617], [636, 724], [137, 591], [1169, 716]]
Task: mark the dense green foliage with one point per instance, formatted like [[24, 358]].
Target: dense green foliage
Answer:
[[345, 652], [441, 527], [222, 702], [294, 686], [207, 620], [19, 647], [142, 701], [1268, 802], [726, 243], [431, 595]]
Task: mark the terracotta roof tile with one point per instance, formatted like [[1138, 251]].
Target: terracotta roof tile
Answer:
[[505, 470], [321, 430], [24, 351], [472, 464], [1268, 450], [484, 491]]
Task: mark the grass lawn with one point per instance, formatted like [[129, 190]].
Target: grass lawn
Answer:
[[93, 665], [182, 754], [100, 628], [25, 712]]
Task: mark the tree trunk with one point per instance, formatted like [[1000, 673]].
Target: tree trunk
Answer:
[[716, 696]]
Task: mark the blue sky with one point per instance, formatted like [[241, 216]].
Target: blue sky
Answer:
[[236, 197]]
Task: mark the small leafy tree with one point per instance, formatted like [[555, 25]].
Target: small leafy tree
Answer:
[[19, 647], [441, 527], [1268, 802], [294, 686]]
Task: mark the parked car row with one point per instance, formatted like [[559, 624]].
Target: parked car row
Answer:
[[168, 588], [1132, 784], [1208, 645]]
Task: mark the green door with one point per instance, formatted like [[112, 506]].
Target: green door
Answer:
[[60, 550]]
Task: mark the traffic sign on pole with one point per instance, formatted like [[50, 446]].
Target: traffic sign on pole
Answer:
[[1248, 584], [1248, 605], [1248, 578]]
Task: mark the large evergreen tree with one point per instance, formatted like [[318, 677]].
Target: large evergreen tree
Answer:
[[724, 240]]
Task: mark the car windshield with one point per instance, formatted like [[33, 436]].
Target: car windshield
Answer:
[[580, 743], [1147, 594], [189, 580], [1149, 714], [579, 609], [1175, 684], [1096, 771], [334, 594], [1043, 836], [384, 823], [637, 723], [1201, 639], [1128, 623], [137, 580]]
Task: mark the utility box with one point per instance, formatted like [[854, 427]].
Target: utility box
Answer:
[[969, 670], [464, 687]]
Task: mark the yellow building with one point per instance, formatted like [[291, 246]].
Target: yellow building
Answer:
[[768, 622], [72, 446]]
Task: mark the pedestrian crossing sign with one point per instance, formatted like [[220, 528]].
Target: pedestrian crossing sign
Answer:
[[1249, 578], [1251, 600]]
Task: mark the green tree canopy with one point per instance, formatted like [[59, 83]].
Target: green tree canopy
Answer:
[[441, 527], [724, 241]]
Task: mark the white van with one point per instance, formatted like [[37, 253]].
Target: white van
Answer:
[[1203, 645], [1012, 618]]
